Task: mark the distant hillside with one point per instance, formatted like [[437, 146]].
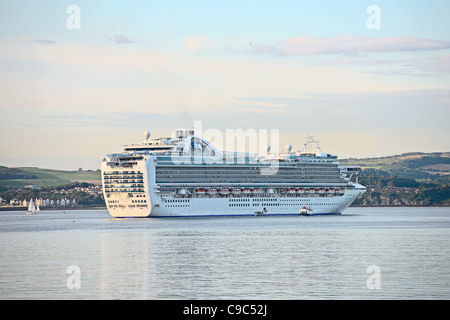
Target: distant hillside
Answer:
[[416, 179], [19, 177]]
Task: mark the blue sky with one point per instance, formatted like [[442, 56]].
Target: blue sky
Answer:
[[69, 96]]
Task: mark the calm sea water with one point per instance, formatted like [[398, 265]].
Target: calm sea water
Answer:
[[366, 253]]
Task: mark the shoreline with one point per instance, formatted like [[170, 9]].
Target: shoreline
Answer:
[[17, 208], [400, 206]]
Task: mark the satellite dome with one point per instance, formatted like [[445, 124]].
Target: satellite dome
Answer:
[[147, 135], [288, 148]]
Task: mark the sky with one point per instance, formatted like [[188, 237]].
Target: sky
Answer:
[[79, 79]]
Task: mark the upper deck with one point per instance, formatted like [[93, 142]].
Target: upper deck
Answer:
[[185, 157], [187, 148]]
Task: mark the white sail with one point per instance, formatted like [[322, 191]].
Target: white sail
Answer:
[[31, 207]]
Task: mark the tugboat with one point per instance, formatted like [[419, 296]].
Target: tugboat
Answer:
[[260, 213], [304, 211]]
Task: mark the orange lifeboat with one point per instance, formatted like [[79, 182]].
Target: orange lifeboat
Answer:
[[200, 191]]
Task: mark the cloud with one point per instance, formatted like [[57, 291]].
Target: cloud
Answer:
[[44, 41], [437, 64], [360, 61], [194, 43], [349, 45], [120, 39], [374, 111], [98, 119]]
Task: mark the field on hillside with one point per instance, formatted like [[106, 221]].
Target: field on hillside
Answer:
[[417, 166], [47, 177]]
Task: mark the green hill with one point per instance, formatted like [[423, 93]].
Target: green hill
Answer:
[[433, 167], [412, 179], [19, 177]]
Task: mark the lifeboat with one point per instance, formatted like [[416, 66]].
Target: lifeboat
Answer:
[[200, 191], [224, 191], [246, 191], [290, 191], [301, 191], [235, 190], [305, 211], [255, 191], [212, 191]]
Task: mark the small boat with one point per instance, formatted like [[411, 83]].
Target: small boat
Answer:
[[260, 213], [200, 191], [31, 208], [304, 211]]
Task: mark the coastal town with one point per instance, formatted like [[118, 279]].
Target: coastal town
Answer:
[[74, 195]]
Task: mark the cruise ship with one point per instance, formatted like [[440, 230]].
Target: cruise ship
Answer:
[[185, 175]]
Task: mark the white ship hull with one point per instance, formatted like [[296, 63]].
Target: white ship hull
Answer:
[[252, 206]]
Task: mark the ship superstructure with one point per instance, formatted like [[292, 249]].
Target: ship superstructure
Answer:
[[185, 175]]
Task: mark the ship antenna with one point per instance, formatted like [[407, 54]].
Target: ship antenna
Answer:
[[311, 141]]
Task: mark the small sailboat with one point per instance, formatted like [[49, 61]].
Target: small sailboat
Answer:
[[31, 208]]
